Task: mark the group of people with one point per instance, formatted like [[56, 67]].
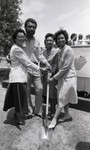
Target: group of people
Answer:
[[31, 64]]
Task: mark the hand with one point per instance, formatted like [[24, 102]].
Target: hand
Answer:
[[50, 80], [48, 66], [8, 58], [43, 70]]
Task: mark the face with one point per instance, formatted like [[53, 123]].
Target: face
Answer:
[[30, 28], [20, 39], [61, 40], [49, 42]]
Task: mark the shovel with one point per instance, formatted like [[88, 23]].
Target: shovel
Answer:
[[44, 130]]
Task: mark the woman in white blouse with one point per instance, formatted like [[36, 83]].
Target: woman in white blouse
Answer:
[[16, 95]]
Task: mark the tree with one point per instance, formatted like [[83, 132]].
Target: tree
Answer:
[[9, 20]]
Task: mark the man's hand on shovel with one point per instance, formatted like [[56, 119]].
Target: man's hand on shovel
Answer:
[[45, 69]]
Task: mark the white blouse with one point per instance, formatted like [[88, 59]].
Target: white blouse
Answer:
[[20, 65]]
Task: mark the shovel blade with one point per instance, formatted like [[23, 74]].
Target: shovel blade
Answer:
[[44, 133]]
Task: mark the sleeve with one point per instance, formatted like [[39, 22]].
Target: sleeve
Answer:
[[69, 56], [23, 58], [42, 58]]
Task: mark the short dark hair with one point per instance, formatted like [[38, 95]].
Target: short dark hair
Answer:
[[30, 20], [48, 35], [14, 36], [61, 31]]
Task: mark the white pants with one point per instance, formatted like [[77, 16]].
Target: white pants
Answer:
[[36, 81]]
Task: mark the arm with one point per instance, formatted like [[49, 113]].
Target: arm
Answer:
[[8, 58], [42, 58], [44, 61], [66, 66], [23, 58]]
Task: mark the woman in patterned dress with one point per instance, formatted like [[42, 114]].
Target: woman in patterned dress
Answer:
[[50, 53]]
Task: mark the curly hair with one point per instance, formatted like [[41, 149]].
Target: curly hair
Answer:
[[64, 32], [30, 20]]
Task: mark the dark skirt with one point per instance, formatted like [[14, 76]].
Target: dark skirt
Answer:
[[16, 96]]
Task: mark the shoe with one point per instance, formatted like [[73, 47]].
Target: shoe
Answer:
[[19, 120], [66, 119], [37, 114], [27, 116], [52, 125]]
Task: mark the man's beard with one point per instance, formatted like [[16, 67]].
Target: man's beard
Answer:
[[30, 33]]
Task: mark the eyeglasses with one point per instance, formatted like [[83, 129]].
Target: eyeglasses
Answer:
[[20, 38]]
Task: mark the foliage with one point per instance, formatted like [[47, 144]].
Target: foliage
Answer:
[[9, 21]]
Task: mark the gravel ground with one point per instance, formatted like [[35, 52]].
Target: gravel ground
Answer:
[[72, 135]]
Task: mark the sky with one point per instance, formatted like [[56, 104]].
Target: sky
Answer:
[[51, 15]]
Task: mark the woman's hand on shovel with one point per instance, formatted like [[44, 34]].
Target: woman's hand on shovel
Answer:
[[51, 79]]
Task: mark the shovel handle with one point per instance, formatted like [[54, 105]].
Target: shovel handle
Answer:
[[47, 100], [47, 103]]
